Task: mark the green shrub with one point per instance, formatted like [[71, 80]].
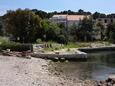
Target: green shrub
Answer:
[[3, 39], [39, 41], [15, 46]]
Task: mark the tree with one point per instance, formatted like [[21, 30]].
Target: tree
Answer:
[[41, 13], [99, 15], [50, 31], [1, 32], [101, 29], [1, 26], [96, 15], [111, 16], [24, 25], [85, 28], [64, 34], [80, 11], [110, 32], [72, 32]]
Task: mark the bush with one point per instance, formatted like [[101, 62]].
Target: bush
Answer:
[[39, 41], [3, 39], [62, 39], [15, 46], [112, 37]]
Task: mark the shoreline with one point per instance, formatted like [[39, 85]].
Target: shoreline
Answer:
[[71, 53], [25, 71], [16, 71], [97, 49]]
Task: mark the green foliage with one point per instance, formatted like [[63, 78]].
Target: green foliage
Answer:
[[62, 39], [14, 46], [28, 26], [112, 37], [38, 41], [99, 15], [1, 31], [41, 13], [68, 46], [72, 33], [23, 24], [5, 43], [3, 39], [110, 32], [51, 31], [84, 31], [101, 30]]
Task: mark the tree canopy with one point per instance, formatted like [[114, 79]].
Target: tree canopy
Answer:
[[110, 32], [23, 25], [85, 29], [29, 25]]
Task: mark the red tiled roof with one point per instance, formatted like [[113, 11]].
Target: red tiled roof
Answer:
[[72, 17], [75, 17]]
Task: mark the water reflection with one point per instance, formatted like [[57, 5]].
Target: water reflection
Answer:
[[98, 67]]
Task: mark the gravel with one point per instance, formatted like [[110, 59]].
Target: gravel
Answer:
[[16, 71]]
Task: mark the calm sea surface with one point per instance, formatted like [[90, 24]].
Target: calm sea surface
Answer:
[[98, 66]]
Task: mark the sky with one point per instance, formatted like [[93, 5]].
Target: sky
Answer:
[[103, 6]]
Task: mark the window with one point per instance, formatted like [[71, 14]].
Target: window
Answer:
[[105, 20], [99, 20], [111, 20]]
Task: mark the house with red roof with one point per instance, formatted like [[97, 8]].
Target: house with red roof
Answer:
[[68, 20]]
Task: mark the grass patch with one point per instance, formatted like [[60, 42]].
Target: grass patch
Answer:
[[76, 45], [13, 46], [69, 45]]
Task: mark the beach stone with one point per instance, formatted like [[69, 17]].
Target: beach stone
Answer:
[[56, 59], [112, 77], [5, 53], [62, 59], [109, 84]]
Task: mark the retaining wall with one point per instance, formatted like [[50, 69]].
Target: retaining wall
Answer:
[[89, 50]]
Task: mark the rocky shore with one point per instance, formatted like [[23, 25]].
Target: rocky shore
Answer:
[[109, 82], [29, 71], [16, 71]]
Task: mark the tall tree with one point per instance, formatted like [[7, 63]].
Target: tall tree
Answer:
[[72, 32], [110, 32], [23, 25], [101, 29], [85, 29], [50, 31]]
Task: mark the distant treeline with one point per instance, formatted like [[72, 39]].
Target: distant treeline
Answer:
[[47, 15], [95, 15], [28, 26]]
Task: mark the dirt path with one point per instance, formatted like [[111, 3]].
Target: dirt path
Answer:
[[15, 71]]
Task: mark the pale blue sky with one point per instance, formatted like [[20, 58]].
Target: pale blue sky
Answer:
[[104, 6]]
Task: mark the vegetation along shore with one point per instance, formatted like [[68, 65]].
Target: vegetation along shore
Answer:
[[29, 33]]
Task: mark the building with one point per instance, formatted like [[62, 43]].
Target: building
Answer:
[[105, 21], [68, 20], [59, 19], [74, 19]]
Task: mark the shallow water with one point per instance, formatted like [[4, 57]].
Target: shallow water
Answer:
[[98, 67]]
